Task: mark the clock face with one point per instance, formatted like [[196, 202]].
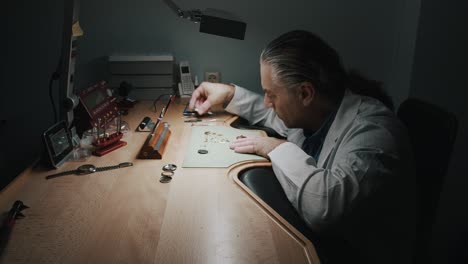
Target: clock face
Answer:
[[86, 169], [58, 142]]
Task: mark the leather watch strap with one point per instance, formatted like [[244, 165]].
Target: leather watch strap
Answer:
[[63, 173]]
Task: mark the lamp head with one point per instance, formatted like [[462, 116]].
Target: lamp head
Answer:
[[211, 24]]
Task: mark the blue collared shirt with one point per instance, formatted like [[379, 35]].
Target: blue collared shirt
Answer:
[[313, 143]]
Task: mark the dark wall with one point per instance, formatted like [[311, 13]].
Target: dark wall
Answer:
[[439, 76], [31, 46], [376, 37], [377, 40]]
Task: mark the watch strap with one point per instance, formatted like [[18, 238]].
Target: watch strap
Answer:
[[69, 172], [121, 165], [63, 173], [107, 168]]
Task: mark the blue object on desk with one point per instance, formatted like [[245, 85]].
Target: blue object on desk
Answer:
[[188, 112], [192, 120]]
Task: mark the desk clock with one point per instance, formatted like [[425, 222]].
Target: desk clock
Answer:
[[58, 142]]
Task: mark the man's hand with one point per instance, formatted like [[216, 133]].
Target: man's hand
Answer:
[[258, 145], [209, 94]]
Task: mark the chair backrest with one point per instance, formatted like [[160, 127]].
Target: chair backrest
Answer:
[[432, 132]]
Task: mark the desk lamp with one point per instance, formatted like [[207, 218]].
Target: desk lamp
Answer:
[[211, 24]]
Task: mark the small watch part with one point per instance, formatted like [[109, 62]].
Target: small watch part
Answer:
[[202, 151], [165, 179], [169, 167], [167, 174]]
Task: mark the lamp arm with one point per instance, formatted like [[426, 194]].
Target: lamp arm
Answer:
[[174, 7], [192, 15]]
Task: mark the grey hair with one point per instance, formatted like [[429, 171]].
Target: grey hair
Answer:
[[300, 56]]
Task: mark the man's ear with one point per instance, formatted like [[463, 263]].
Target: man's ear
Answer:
[[306, 93]]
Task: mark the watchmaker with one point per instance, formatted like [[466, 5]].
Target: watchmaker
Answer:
[[346, 164]]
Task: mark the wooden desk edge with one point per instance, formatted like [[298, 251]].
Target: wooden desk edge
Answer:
[[308, 247]]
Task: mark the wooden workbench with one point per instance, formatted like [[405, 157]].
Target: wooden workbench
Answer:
[[205, 215]]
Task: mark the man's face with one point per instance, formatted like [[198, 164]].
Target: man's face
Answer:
[[285, 103]]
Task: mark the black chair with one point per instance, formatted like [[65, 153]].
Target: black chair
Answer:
[[432, 133]]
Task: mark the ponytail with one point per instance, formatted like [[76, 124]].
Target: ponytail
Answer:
[[358, 84]]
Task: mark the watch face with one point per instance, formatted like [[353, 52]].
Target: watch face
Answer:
[[86, 169]]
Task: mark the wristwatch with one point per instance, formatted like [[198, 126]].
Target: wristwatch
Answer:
[[89, 168]]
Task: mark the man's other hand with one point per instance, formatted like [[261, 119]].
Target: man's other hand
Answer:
[[258, 145]]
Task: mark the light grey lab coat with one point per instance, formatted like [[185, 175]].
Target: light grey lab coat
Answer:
[[362, 185]]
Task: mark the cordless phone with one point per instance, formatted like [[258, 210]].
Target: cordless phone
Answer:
[[186, 86]]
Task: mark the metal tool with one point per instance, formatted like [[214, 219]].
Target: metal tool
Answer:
[[13, 214]]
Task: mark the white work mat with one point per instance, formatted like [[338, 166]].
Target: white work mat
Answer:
[[215, 140]]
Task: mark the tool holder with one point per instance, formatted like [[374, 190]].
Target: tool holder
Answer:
[[156, 143]]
